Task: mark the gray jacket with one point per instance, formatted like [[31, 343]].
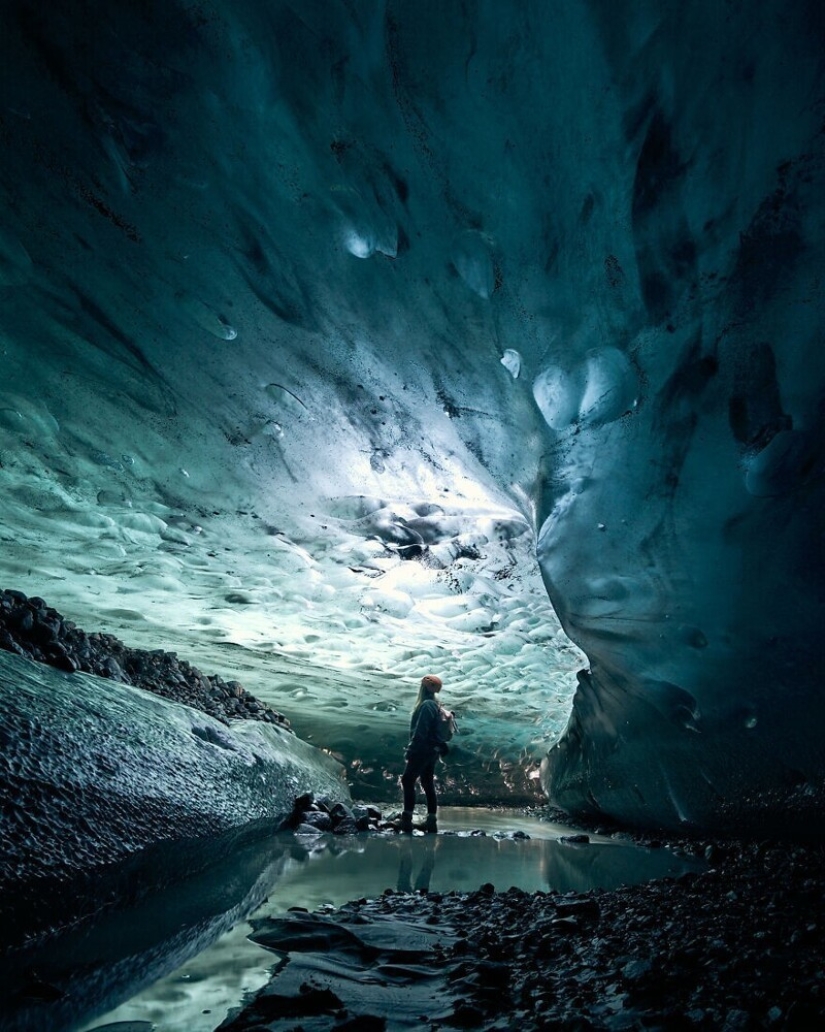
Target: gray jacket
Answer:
[[427, 731]]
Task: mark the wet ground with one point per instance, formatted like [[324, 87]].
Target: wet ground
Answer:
[[737, 948], [180, 958], [555, 934]]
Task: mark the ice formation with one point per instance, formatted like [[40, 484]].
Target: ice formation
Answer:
[[318, 318], [94, 771]]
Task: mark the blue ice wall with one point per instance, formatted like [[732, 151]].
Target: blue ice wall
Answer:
[[92, 771], [289, 287]]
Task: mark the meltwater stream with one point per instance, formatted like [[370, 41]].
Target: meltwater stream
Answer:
[[177, 956]]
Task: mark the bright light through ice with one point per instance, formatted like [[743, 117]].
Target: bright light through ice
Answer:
[[358, 245]]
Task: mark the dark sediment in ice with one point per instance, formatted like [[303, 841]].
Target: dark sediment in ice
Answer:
[[92, 771], [31, 628]]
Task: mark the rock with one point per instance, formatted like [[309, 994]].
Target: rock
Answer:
[[317, 819], [29, 627], [57, 656], [660, 955], [636, 970], [737, 1020], [586, 909], [9, 644], [110, 667], [21, 621], [304, 828], [340, 811]]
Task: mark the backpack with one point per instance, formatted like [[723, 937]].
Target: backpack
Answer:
[[446, 726]]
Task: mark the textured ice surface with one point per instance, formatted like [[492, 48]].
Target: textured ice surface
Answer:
[[279, 278], [91, 771]]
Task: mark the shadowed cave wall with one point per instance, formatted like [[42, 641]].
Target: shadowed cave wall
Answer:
[[318, 318]]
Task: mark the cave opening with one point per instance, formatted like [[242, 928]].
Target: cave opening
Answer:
[[343, 341]]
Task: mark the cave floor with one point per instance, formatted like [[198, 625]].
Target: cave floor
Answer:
[[493, 931], [736, 947], [171, 963]]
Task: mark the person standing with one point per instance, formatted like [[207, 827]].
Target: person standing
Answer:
[[430, 727]]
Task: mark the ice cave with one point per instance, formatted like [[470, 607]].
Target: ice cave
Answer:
[[344, 341]]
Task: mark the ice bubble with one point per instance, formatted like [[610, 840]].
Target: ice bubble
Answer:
[[608, 596], [112, 498], [558, 395], [434, 527], [291, 558], [603, 388], [11, 419], [471, 258], [215, 323], [446, 608], [364, 551], [142, 523], [229, 332], [411, 578], [89, 518], [175, 536], [475, 620], [692, 636], [610, 387], [286, 400], [508, 644], [511, 360], [394, 603], [351, 507], [358, 244], [388, 243], [101, 458], [384, 707]]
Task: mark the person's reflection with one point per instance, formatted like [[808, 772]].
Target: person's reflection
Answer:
[[413, 851]]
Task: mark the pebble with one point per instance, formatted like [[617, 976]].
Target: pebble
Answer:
[[31, 628], [662, 955]]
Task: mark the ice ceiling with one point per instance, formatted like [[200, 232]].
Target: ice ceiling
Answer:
[[318, 318]]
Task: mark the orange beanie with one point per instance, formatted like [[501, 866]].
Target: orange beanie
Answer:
[[431, 681]]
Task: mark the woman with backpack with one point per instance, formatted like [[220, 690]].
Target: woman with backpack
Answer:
[[431, 727]]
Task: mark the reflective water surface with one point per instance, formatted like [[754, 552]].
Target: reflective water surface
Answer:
[[179, 958]]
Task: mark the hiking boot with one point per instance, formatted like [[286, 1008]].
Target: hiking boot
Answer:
[[430, 824], [406, 825]]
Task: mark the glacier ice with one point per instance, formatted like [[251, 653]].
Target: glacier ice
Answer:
[[365, 288], [93, 771]]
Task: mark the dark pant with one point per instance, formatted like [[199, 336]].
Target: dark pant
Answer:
[[419, 768]]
